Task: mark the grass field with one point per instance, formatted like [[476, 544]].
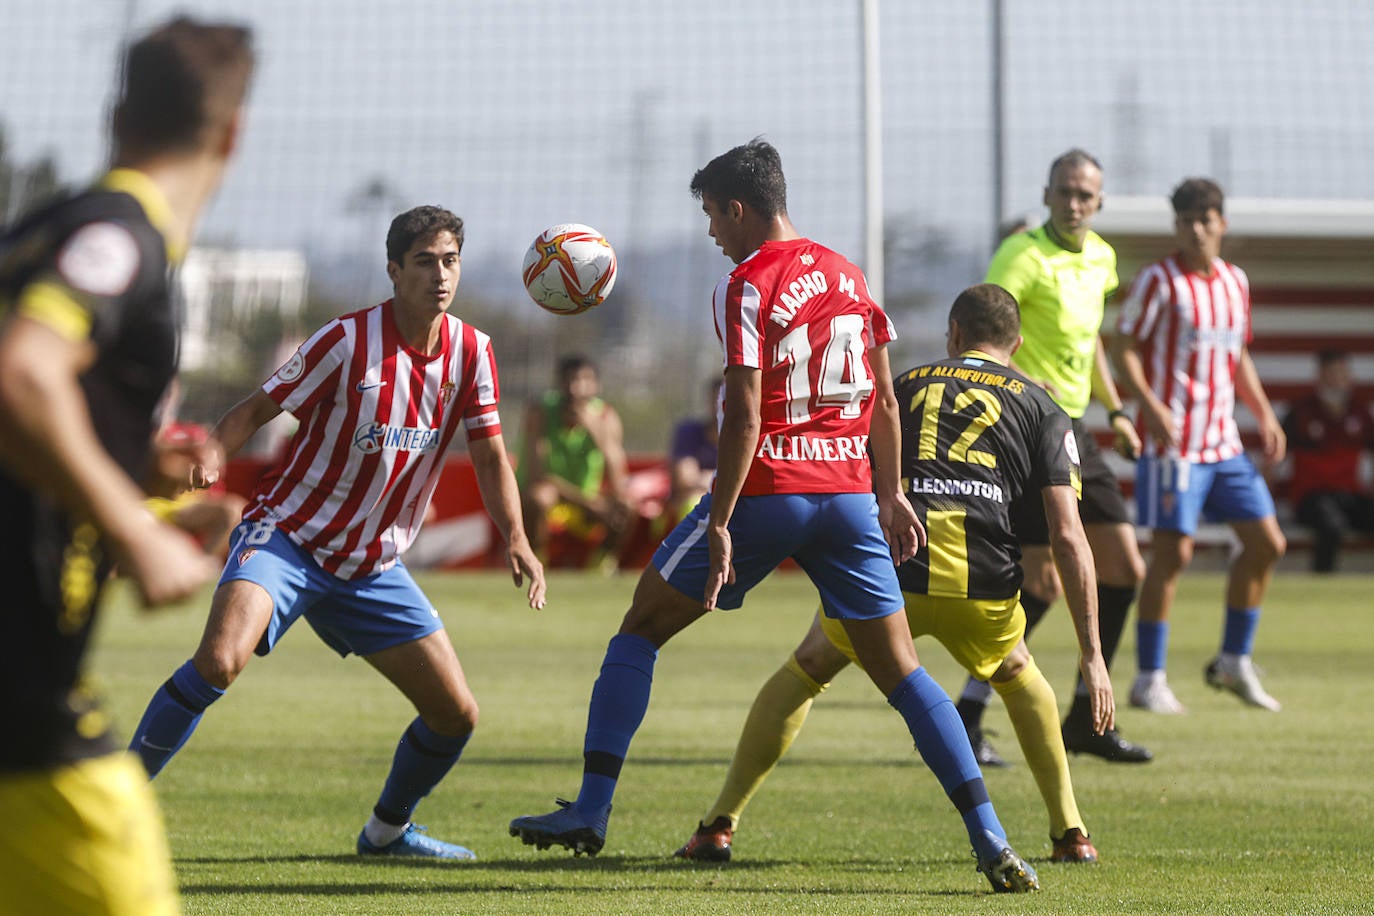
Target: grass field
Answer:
[[1241, 812]]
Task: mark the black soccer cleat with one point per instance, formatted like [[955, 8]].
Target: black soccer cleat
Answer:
[[565, 827]]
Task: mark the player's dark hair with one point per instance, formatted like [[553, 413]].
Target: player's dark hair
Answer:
[[750, 174], [181, 80], [1198, 195], [1327, 357], [1073, 159], [987, 314], [420, 223], [569, 366]]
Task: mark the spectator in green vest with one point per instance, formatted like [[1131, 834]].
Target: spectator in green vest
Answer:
[[573, 469]]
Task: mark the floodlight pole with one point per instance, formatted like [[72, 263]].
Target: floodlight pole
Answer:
[[873, 150], [999, 138]]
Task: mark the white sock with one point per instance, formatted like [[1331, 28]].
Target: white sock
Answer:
[[380, 833], [977, 691]]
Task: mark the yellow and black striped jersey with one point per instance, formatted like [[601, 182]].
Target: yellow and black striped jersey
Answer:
[[92, 268], [976, 438]]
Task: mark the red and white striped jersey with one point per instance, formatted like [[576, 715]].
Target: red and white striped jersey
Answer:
[[1192, 331], [802, 314], [376, 418]]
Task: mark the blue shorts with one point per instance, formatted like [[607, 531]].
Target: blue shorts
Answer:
[[834, 538], [1172, 494], [361, 616]]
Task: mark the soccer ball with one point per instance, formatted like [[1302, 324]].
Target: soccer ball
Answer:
[[569, 268]]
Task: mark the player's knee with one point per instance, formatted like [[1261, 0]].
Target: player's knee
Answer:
[[219, 664], [1271, 547], [1043, 584], [456, 718], [819, 659], [1170, 557]]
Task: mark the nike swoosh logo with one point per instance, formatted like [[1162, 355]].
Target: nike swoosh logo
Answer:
[[368, 386]]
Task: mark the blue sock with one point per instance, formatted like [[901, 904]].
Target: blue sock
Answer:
[[1151, 644], [171, 716], [619, 699], [423, 757], [1238, 637], [941, 740]]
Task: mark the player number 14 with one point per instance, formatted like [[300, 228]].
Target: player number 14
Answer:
[[841, 380]]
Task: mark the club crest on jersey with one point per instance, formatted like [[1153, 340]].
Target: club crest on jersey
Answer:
[[1071, 447], [246, 555], [446, 392], [293, 368], [371, 437]]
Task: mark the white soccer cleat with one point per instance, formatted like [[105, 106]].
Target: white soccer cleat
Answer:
[[1152, 693], [1237, 674]]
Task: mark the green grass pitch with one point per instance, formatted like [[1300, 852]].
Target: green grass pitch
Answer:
[[1242, 811]]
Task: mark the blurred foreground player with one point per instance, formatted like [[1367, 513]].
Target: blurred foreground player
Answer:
[[976, 437], [87, 348], [806, 371], [380, 395]]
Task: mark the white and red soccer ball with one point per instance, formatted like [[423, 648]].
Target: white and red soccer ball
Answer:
[[569, 268]]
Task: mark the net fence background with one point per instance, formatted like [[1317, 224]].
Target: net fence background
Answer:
[[525, 113]]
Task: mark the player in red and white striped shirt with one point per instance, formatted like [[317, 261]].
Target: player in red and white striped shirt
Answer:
[[1181, 347], [380, 395]]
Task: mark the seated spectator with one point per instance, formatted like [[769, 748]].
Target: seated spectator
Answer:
[[573, 470], [1328, 432], [692, 456]]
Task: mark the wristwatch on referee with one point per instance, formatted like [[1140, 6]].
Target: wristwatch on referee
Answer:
[[1117, 412]]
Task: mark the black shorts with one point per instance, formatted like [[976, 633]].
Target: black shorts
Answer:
[[1102, 502]]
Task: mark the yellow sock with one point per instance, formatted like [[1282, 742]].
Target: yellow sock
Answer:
[[774, 721], [1035, 717]]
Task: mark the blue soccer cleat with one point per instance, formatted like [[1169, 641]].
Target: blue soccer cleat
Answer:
[[1009, 873], [414, 842], [566, 827]]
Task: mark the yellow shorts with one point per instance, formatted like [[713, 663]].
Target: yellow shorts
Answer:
[[165, 510], [573, 520], [84, 838], [978, 632]]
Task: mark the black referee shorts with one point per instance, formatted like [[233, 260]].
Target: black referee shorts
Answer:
[[1102, 502]]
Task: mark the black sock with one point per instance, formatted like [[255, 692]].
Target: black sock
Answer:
[[1113, 607], [1035, 608]]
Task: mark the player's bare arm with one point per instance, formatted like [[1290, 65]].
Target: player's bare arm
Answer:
[[608, 432], [1074, 557], [501, 496], [1104, 389], [48, 439], [244, 419], [901, 527], [1157, 418], [1251, 393], [739, 438]]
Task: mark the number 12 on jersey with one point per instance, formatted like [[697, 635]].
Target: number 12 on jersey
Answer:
[[931, 397]]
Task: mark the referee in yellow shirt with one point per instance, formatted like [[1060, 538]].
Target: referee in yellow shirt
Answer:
[[1061, 274]]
